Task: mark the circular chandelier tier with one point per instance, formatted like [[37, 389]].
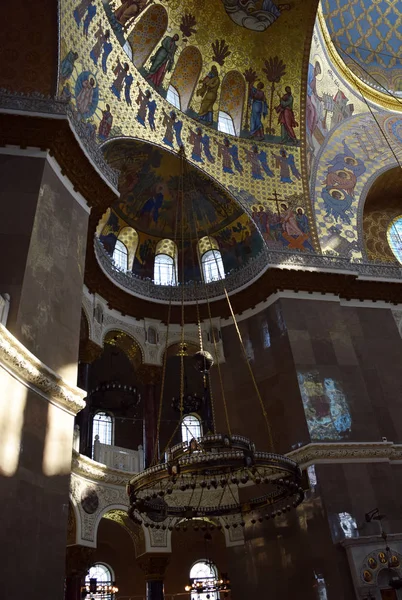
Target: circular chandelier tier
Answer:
[[215, 476]]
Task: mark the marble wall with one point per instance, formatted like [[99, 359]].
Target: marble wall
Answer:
[[44, 237], [35, 460]]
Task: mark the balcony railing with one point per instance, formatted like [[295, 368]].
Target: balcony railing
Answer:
[[116, 457]]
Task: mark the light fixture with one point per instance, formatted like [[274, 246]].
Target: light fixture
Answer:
[[101, 589], [220, 477]]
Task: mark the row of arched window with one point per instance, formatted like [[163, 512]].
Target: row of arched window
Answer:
[[143, 40], [203, 571], [103, 428], [165, 263]]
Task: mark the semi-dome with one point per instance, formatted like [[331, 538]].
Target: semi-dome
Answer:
[[167, 207]]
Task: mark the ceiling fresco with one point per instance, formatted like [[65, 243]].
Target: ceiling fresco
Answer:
[[113, 92], [368, 36]]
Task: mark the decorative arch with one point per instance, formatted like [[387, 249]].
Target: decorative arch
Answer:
[[130, 238], [147, 32], [165, 266], [186, 74], [233, 95], [382, 206], [127, 343]]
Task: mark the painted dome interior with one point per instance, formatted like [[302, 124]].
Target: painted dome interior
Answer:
[[164, 200], [368, 37]]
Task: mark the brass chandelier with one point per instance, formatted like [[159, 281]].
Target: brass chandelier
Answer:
[[219, 480]]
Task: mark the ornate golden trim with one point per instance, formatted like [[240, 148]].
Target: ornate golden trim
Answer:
[[21, 363], [369, 93]]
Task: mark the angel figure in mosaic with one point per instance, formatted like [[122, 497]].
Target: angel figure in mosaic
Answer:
[[201, 145], [286, 164], [224, 154], [91, 13], [337, 203], [252, 157], [120, 71], [80, 10], [173, 129], [102, 44], [142, 103], [347, 160], [151, 113]]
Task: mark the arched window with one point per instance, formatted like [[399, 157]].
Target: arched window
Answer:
[[231, 101], [190, 428], [394, 236], [120, 255], [103, 575], [225, 123], [102, 426], [211, 259], [129, 237], [165, 266], [205, 572], [173, 97], [164, 271], [186, 74], [147, 33]]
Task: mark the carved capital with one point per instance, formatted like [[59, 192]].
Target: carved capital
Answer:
[[154, 565], [89, 351], [16, 359], [151, 374], [78, 560]]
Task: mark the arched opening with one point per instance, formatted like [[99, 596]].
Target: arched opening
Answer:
[[211, 259], [225, 123], [231, 103], [102, 429], [204, 571], [129, 237], [165, 266], [382, 218], [147, 32], [191, 428], [173, 97], [186, 75], [99, 574], [120, 255]]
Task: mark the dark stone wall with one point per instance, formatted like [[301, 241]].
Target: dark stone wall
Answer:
[[49, 310], [20, 182], [35, 461]]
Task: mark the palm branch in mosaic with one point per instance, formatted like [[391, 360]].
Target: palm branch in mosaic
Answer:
[[274, 70]]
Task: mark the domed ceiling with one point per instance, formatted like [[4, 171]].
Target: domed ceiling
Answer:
[[150, 202], [368, 37]]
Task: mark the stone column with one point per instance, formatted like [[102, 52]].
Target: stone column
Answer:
[[149, 376], [89, 352], [154, 567], [78, 561]]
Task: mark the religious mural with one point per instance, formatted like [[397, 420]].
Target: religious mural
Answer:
[[356, 153], [325, 406], [151, 203], [124, 93]]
